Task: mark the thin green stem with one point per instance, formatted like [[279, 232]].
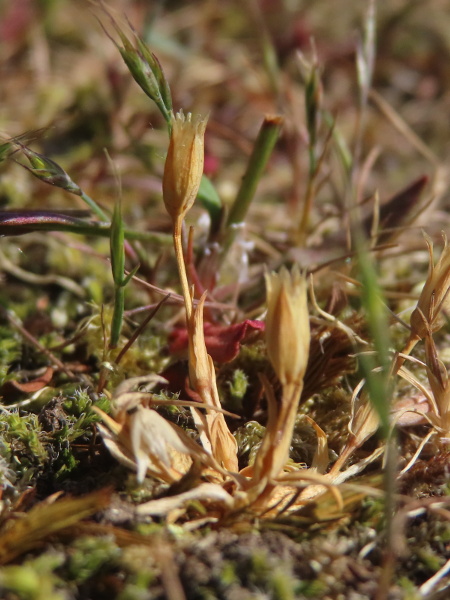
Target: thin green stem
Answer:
[[117, 242], [82, 227], [117, 318], [269, 54], [94, 207], [264, 145], [307, 205]]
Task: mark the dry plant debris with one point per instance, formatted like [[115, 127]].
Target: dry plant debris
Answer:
[[224, 367]]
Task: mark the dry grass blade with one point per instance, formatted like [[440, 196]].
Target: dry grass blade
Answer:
[[31, 530]]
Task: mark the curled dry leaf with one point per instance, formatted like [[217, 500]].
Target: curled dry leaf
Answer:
[[210, 493], [434, 300], [203, 380]]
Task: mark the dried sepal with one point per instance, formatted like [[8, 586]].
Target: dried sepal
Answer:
[[364, 422], [155, 443], [147, 443], [435, 405], [142, 439]]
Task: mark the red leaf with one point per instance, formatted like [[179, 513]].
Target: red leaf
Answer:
[[29, 387], [222, 342]]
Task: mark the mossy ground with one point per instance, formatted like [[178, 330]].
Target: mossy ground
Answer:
[[59, 71]]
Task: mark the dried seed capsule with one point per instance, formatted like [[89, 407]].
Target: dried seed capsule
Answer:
[[287, 324], [184, 164]]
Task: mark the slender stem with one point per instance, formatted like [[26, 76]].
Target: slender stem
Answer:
[[286, 422], [129, 233], [81, 227], [307, 205], [390, 486], [274, 451], [264, 145], [268, 51], [94, 207], [117, 318], [178, 245], [140, 329]]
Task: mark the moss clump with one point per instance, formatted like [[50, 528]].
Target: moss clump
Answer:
[[10, 351], [87, 556], [23, 440], [35, 579]]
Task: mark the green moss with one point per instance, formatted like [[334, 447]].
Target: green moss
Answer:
[[142, 573], [35, 579], [75, 421], [133, 591], [267, 573], [228, 574], [10, 351], [23, 437], [409, 589], [430, 559], [372, 513], [282, 585], [311, 589], [249, 438], [79, 405], [237, 388], [89, 555]]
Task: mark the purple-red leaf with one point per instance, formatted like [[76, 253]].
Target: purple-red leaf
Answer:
[[222, 342], [20, 221]]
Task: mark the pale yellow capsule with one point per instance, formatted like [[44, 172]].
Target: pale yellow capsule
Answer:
[[184, 164], [287, 324]]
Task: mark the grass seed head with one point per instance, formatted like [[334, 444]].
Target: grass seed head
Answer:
[[48, 170], [287, 324], [184, 164], [144, 66]]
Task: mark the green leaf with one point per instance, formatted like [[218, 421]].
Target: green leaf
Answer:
[[208, 196]]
